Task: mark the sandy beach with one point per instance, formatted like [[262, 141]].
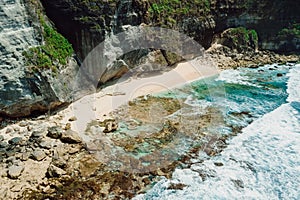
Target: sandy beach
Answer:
[[97, 106]]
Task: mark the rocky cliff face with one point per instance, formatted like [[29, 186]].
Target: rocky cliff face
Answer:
[[23, 92], [86, 23]]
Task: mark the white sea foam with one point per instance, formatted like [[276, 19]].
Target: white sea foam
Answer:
[[234, 76], [293, 84]]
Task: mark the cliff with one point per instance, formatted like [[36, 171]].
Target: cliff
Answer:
[[86, 23], [25, 91]]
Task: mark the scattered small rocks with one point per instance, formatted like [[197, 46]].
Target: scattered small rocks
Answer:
[[15, 171], [70, 137]]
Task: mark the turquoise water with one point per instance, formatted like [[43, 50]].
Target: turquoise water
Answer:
[[262, 162], [242, 95]]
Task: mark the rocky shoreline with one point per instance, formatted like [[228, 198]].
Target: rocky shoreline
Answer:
[[42, 158]]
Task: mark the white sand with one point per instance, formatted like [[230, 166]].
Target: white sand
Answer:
[[95, 106]]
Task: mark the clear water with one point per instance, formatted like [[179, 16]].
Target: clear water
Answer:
[[262, 162]]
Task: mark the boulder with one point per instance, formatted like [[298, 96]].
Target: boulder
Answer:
[[54, 132], [54, 171], [110, 126], [70, 137], [38, 155], [15, 171], [17, 141]]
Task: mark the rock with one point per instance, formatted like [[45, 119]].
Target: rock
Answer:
[[16, 128], [110, 126], [23, 123], [59, 162], [68, 126], [1, 138], [16, 141], [45, 144], [72, 119], [116, 70], [279, 74], [54, 132], [3, 144], [38, 155], [218, 164], [15, 171], [25, 156], [9, 130], [176, 186], [54, 172], [71, 137], [37, 134]]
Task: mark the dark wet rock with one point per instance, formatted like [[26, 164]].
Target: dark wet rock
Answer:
[[176, 186], [279, 74], [38, 155], [238, 183], [1, 138], [110, 126], [16, 141], [54, 132], [3, 145], [15, 171], [54, 171], [72, 119], [218, 164], [71, 137]]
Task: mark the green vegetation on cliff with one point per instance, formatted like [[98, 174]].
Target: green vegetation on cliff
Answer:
[[54, 52], [241, 37], [168, 12], [291, 31]]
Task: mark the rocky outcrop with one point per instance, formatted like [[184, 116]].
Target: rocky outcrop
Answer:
[[24, 91]]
